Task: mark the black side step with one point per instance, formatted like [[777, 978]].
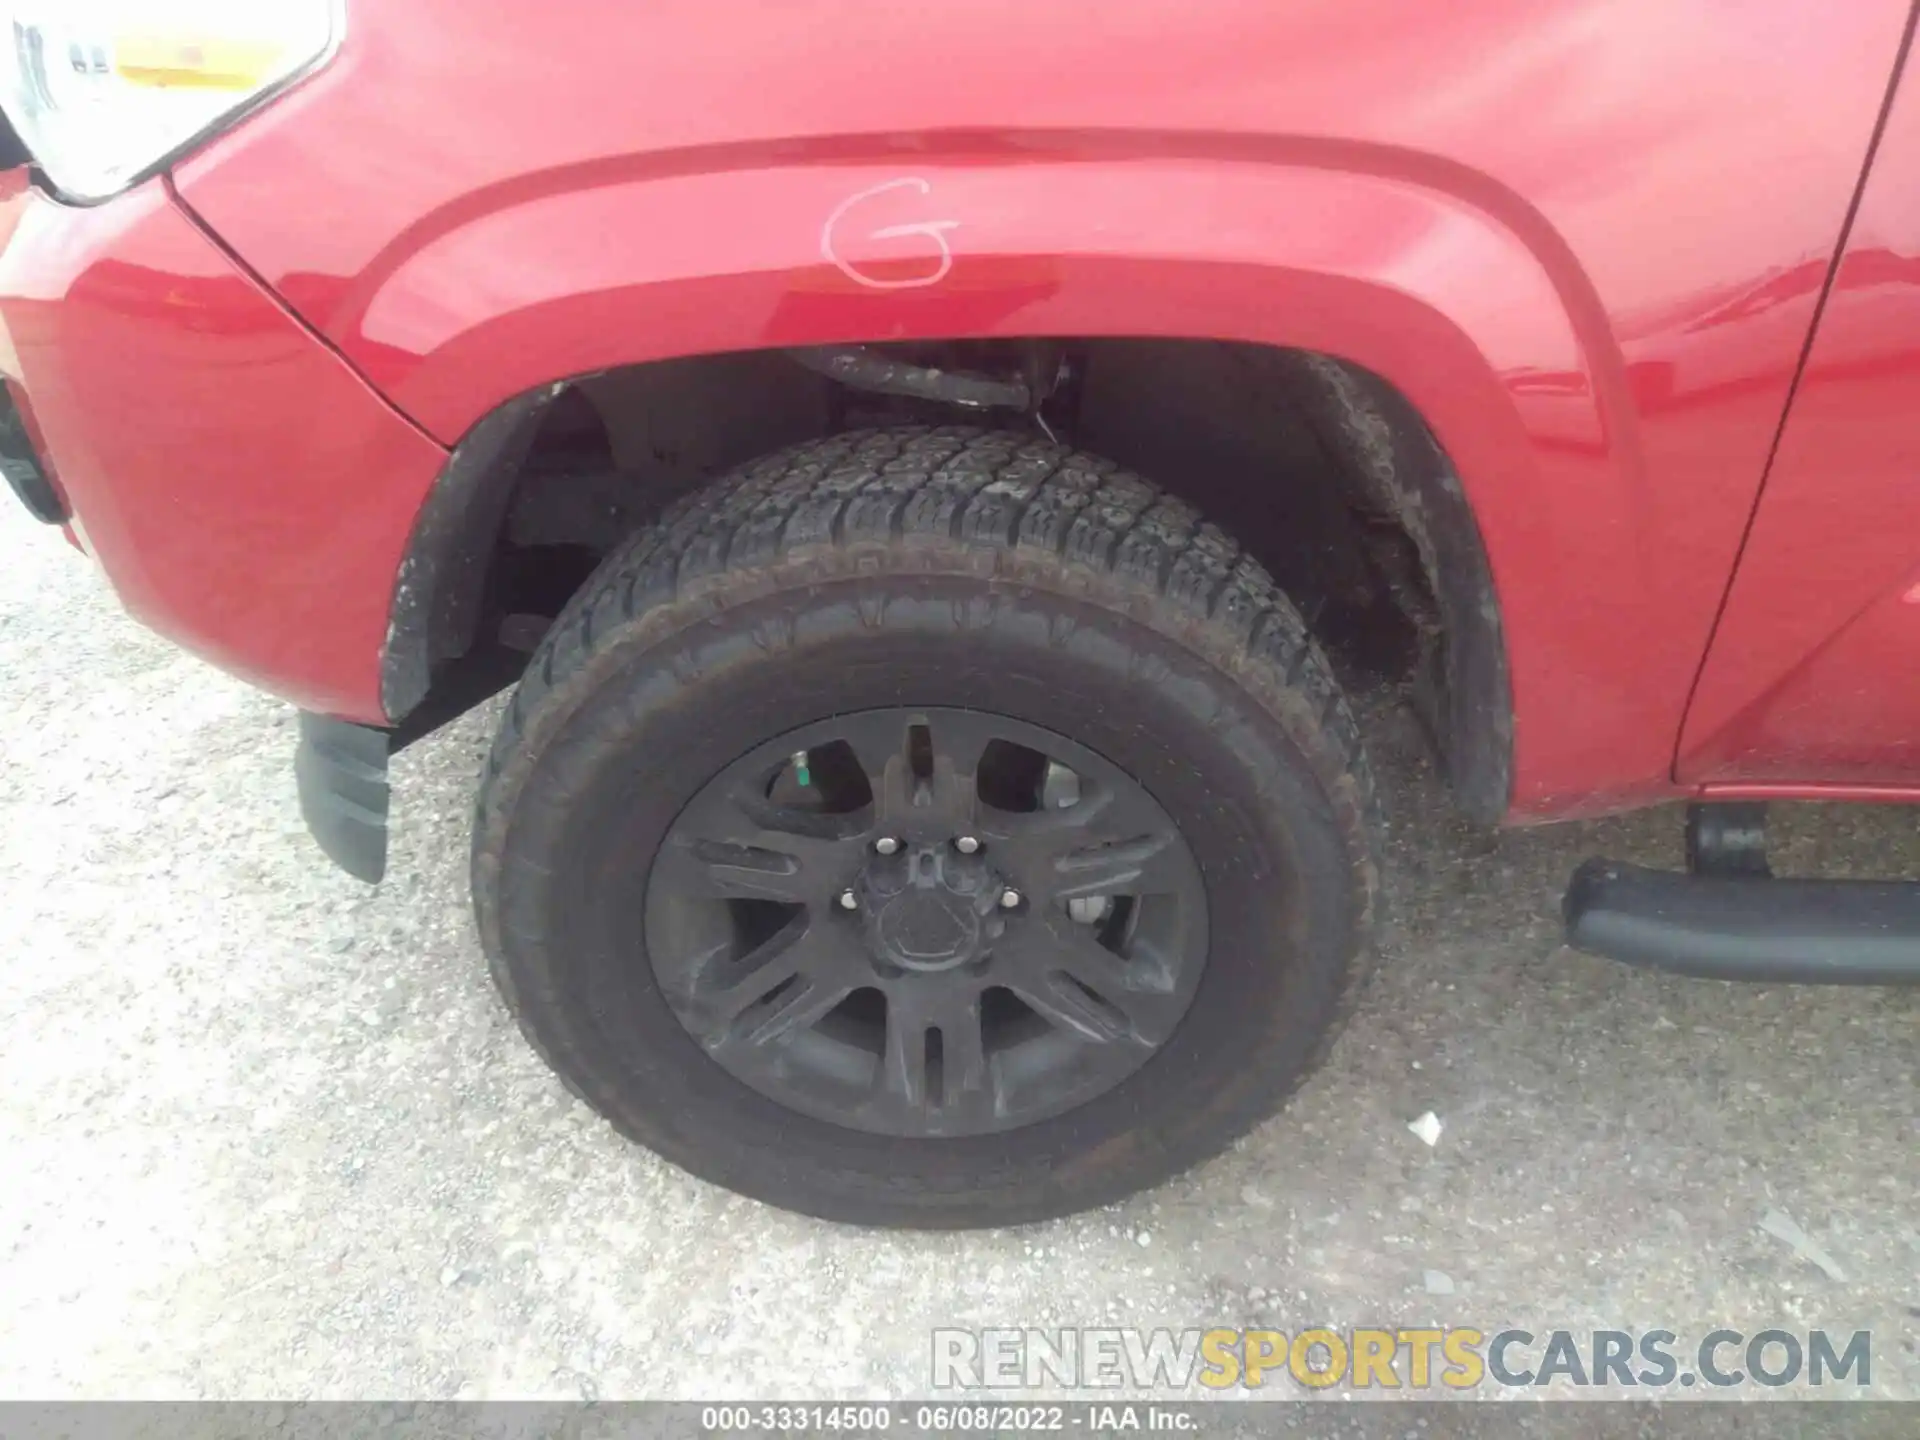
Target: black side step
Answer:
[[1748, 927]]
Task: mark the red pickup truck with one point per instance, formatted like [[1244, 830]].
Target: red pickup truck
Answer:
[[924, 472]]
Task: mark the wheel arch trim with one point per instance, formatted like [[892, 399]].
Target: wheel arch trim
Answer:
[[435, 612]]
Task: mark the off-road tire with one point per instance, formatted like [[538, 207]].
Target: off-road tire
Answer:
[[946, 566]]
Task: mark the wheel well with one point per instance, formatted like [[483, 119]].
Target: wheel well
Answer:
[[1319, 468]]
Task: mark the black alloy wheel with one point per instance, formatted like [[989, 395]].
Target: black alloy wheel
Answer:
[[926, 922]]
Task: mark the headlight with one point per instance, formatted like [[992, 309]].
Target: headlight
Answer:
[[104, 91]]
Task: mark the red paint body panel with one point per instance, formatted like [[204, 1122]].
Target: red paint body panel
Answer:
[[1539, 221], [1587, 239], [244, 490], [1815, 669]]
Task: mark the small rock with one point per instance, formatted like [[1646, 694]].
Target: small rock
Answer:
[[1143, 1239], [1438, 1282], [1427, 1127]]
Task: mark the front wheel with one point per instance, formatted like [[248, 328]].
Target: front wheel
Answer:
[[928, 827]]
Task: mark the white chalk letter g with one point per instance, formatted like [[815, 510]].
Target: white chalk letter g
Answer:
[[934, 230]]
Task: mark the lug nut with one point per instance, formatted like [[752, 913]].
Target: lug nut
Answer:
[[849, 900], [886, 845], [966, 845], [1009, 899]]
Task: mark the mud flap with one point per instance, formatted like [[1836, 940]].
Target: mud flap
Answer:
[[341, 772]]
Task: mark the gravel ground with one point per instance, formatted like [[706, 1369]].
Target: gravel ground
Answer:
[[266, 1132]]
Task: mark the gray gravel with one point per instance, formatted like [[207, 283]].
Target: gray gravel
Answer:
[[266, 1132]]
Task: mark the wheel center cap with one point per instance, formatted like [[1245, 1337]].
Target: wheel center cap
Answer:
[[928, 930], [928, 908]]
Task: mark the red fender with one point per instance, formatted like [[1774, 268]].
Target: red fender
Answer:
[[1539, 223]]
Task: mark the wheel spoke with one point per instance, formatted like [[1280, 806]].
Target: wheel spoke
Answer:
[[971, 1092], [941, 1088], [1036, 836], [880, 746], [903, 1069], [1065, 1009], [725, 984], [938, 781], [714, 870], [1078, 985], [1106, 844], [736, 847], [786, 985], [1145, 865], [960, 738], [806, 1004]]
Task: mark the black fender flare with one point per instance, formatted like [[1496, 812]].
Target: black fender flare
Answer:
[[435, 612], [1393, 459]]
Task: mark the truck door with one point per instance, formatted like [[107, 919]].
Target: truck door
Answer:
[[1813, 678]]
